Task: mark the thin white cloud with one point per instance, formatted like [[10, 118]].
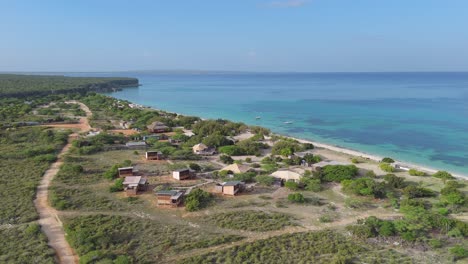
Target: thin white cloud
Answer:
[[287, 3]]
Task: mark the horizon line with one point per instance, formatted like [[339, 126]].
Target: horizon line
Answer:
[[227, 71]]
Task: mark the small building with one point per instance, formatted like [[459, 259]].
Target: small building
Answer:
[[169, 198], [202, 149], [136, 145], [287, 175], [157, 127], [400, 167], [237, 168], [126, 171], [134, 184], [182, 174], [233, 187], [154, 155]]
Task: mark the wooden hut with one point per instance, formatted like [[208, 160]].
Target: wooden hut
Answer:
[[154, 155], [157, 127], [233, 187], [126, 171], [169, 198], [134, 184], [182, 174]]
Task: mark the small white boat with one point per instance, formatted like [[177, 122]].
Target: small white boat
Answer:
[[258, 117], [287, 122]]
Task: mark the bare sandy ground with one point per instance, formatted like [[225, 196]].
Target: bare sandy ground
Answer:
[[48, 216]]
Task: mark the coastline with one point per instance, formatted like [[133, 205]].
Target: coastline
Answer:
[[341, 150], [375, 158]]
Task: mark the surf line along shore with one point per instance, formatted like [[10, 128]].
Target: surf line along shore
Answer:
[[48, 216], [338, 149]]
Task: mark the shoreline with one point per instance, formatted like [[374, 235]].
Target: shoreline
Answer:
[[338, 149], [372, 157]]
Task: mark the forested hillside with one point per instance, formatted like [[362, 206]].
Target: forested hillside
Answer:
[[25, 85]]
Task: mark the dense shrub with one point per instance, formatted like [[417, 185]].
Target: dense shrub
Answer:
[[226, 159], [265, 180], [415, 172], [338, 173], [291, 185], [443, 175], [417, 192], [197, 199], [395, 181], [117, 186], [387, 160], [364, 186], [386, 167], [296, 198]]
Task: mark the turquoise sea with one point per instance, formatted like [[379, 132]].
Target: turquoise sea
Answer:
[[420, 118]]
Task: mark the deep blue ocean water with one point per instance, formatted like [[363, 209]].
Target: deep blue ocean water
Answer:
[[420, 118]]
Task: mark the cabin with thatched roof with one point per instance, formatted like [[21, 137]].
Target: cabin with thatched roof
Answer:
[[157, 127]]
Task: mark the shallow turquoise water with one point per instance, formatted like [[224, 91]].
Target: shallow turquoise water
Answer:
[[416, 117]]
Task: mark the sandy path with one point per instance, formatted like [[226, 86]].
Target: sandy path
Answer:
[[48, 216]]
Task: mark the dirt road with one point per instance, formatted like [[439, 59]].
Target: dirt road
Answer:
[[48, 219]]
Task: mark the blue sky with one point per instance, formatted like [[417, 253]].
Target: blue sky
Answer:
[[249, 35]]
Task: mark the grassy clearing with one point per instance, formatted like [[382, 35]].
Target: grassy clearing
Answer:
[[24, 244], [309, 247], [139, 240], [252, 220]]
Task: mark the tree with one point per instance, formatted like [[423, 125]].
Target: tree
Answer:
[[197, 199]]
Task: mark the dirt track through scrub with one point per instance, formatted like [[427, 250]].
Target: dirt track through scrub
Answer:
[[48, 217]]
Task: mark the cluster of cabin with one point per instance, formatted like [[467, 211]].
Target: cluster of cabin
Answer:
[[133, 183]]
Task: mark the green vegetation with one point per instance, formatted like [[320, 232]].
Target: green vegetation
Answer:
[[22, 168], [387, 167], [244, 147], [443, 175], [25, 244], [387, 160], [197, 199], [286, 147], [26, 85], [226, 159], [414, 172], [338, 173], [308, 247], [364, 186], [265, 180], [100, 238], [291, 185], [296, 198], [252, 220]]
